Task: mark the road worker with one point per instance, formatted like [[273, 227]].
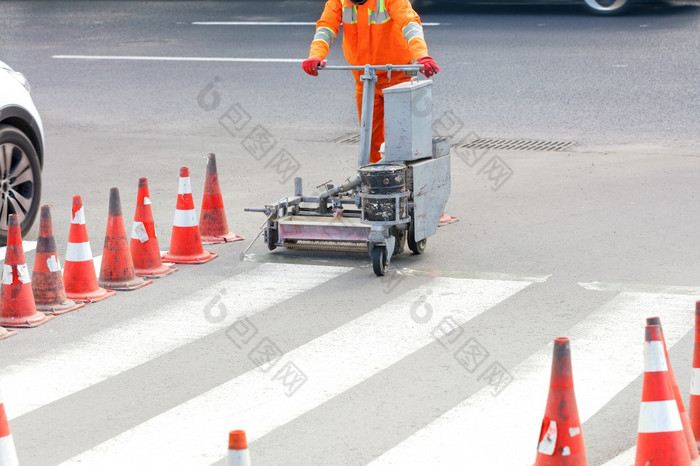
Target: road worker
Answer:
[[375, 32]]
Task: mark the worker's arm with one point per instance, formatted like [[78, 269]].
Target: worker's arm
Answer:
[[408, 21], [327, 28]]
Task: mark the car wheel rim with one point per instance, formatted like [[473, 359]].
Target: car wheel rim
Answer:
[[606, 5], [16, 183]]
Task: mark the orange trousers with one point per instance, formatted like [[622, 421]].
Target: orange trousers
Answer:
[[378, 119]]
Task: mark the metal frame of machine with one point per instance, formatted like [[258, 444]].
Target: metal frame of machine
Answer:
[[386, 205]]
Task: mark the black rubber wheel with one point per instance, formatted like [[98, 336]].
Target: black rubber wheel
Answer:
[[608, 7], [20, 180], [271, 238], [379, 260], [416, 247]]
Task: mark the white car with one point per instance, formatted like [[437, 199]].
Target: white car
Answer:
[[21, 151]]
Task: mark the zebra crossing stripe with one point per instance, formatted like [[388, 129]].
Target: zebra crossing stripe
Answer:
[[26, 247], [259, 401], [607, 356], [33, 383]]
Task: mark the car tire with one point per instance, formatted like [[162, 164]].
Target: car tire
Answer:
[[20, 180], [608, 7]]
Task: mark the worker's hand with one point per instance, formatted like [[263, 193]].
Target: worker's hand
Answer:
[[429, 66], [310, 65]]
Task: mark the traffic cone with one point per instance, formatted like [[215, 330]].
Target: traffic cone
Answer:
[[685, 419], [694, 405], [47, 279], [238, 449], [212, 220], [145, 251], [185, 241], [8, 454], [117, 268], [79, 276], [660, 438], [17, 308], [561, 438]]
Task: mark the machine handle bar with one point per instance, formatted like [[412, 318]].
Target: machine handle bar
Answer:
[[413, 68]]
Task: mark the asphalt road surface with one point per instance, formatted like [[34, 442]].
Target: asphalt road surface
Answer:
[[446, 359]]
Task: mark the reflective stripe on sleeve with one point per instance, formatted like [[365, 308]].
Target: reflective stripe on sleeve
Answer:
[[412, 30], [325, 34]]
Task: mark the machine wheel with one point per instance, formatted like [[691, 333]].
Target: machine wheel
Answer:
[[271, 238], [379, 260], [416, 247]]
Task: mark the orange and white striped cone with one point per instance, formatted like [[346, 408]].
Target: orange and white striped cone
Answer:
[[685, 419], [238, 449], [694, 405], [8, 454], [213, 225], [145, 251], [47, 278], [117, 268], [79, 277], [17, 308], [185, 241], [561, 437], [660, 438]]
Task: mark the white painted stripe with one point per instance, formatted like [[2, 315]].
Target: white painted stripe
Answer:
[[654, 357], [626, 458], [184, 186], [695, 381], [270, 23], [641, 288], [26, 247], [8, 454], [659, 416], [33, 383], [193, 59], [79, 217], [185, 218], [78, 252], [334, 362], [605, 346]]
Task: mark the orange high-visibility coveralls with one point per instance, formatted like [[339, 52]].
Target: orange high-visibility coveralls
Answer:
[[378, 32]]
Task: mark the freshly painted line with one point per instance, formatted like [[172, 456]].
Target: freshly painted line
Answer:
[[606, 354], [26, 246], [33, 383], [477, 275], [642, 288], [270, 23], [194, 59], [332, 363]]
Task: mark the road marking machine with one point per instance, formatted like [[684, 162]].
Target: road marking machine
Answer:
[[385, 205]]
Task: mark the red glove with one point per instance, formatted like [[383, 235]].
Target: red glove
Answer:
[[310, 65], [429, 66]]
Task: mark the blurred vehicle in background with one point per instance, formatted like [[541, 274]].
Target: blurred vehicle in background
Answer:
[[21, 151]]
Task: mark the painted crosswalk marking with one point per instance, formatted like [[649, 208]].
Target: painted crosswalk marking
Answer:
[[606, 355], [333, 363], [33, 383]]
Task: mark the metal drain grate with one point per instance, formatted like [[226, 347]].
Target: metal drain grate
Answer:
[[352, 139], [517, 144], [491, 143]]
